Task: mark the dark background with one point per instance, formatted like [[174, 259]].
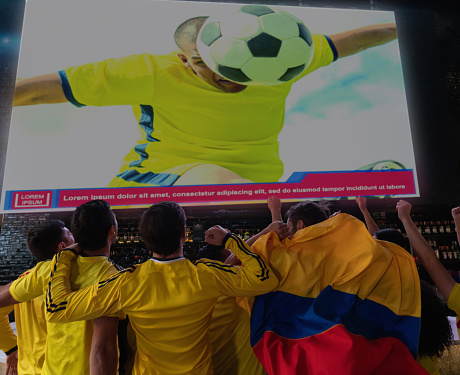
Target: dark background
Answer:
[[429, 37]]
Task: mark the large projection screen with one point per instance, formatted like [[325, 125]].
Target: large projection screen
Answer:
[[346, 130]]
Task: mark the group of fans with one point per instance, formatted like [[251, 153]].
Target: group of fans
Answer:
[[317, 294]]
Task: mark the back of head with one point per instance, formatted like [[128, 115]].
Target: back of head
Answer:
[[187, 31], [43, 241], [309, 212], [392, 235], [161, 226], [91, 223]]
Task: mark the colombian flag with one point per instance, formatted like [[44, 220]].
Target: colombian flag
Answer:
[[346, 304]]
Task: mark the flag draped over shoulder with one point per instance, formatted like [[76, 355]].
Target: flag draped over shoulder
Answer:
[[346, 303]]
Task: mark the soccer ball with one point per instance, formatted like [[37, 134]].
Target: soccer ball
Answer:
[[256, 45]]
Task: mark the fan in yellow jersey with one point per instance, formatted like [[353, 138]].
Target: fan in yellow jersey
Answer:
[[43, 241], [232, 352], [169, 299], [196, 127], [74, 348]]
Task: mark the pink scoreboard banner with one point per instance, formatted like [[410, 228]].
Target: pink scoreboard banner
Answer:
[[301, 185]]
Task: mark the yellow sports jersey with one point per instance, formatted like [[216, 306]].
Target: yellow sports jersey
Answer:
[[169, 304], [184, 121], [8, 340], [67, 346], [453, 302], [430, 364], [232, 352], [31, 322]]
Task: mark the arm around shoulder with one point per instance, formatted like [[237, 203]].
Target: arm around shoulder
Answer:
[[254, 277]]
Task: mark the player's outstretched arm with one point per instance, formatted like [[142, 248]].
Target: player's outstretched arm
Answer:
[[254, 278], [443, 280], [371, 225], [356, 40], [44, 89]]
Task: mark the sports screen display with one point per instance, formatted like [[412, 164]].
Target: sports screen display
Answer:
[[135, 123]]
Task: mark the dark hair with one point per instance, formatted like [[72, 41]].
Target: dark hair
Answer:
[[435, 331], [91, 223], [188, 30], [309, 212], [394, 236], [161, 226], [43, 240]]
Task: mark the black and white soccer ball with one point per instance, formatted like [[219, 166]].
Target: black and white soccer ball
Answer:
[[256, 45]]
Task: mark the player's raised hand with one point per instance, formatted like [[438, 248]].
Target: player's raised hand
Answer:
[[274, 203], [456, 213], [403, 207], [215, 235], [362, 202]]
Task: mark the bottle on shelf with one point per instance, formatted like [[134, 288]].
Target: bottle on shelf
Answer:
[[434, 228], [440, 227]]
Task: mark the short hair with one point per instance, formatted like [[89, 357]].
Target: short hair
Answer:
[[309, 212], [44, 239], [162, 226], [91, 223], [392, 235], [188, 30]]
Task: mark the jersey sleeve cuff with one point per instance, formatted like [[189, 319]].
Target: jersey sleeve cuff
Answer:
[[68, 90], [334, 50], [12, 350], [226, 238]]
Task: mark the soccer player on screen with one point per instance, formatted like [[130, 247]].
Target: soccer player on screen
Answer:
[[168, 298], [196, 127], [89, 346]]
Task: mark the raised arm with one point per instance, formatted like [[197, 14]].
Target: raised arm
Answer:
[[356, 40], [254, 278], [371, 225], [456, 217], [443, 280], [277, 225], [44, 89]]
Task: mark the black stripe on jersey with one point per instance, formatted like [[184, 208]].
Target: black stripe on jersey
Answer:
[[117, 266], [263, 267], [50, 306], [102, 283], [223, 267]]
